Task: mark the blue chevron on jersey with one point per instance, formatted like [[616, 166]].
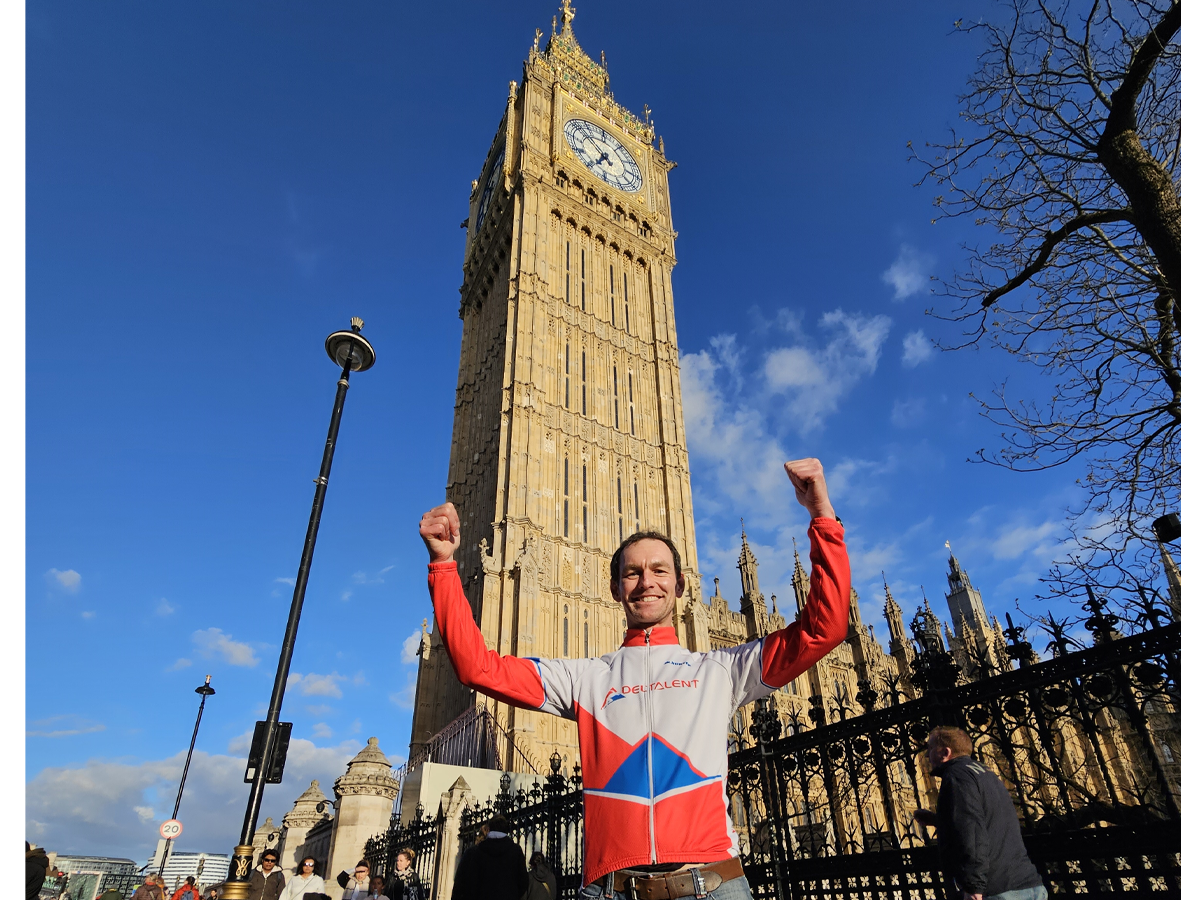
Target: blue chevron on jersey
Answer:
[[672, 771]]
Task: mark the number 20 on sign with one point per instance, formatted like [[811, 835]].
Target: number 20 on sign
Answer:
[[171, 829]]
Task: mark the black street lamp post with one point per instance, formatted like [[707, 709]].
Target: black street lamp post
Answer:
[[205, 691], [354, 353]]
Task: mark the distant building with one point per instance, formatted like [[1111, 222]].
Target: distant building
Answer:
[[209, 868], [100, 872]]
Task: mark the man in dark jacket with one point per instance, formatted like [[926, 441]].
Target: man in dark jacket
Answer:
[[979, 837], [266, 881], [493, 869]]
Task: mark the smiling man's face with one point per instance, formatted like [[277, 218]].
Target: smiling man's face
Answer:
[[647, 584]]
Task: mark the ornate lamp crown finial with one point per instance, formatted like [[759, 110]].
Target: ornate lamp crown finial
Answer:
[[356, 324]]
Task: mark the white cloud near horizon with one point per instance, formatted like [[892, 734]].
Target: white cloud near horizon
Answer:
[[104, 806], [68, 580], [917, 349], [908, 273], [211, 642]]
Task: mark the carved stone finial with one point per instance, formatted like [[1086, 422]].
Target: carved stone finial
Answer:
[[567, 15], [537, 40]]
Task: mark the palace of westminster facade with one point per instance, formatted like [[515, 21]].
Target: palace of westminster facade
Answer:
[[568, 436]]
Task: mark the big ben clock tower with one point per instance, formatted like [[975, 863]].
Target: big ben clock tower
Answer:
[[568, 424]]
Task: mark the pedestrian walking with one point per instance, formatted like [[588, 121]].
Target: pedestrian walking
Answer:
[[493, 869], [266, 881], [150, 890], [306, 880], [37, 869], [357, 884], [978, 834], [403, 884], [541, 873], [187, 890]]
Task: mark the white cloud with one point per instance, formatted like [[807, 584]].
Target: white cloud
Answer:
[[320, 709], [729, 410], [87, 614], [347, 594], [405, 698], [321, 730], [290, 582], [907, 413], [182, 663], [812, 380], [164, 608], [62, 726], [917, 349], [412, 646], [314, 685], [68, 581], [1017, 540], [364, 578], [908, 273], [213, 641], [103, 806]]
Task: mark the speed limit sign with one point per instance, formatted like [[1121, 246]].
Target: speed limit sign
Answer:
[[171, 829]]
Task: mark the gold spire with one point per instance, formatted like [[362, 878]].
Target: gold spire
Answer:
[[567, 15]]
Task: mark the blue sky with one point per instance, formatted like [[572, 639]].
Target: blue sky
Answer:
[[212, 189]]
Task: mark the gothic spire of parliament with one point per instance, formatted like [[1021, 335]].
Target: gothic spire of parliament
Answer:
[[568, 426]]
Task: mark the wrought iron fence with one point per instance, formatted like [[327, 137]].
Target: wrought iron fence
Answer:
[[422, 835], [1087, 744], [548, 817]]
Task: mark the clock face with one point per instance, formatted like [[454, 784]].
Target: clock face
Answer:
[[604, 156], [488, 189]]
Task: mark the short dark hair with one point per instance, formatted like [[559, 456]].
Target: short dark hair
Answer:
[[274, 854], [362, 862], [498, 823], [954, 739], [614, 567]]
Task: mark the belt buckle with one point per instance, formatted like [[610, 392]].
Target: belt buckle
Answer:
[[631, 889], [698, 883]]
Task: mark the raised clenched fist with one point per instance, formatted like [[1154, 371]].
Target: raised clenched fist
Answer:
[[808, 478], [441, 532]]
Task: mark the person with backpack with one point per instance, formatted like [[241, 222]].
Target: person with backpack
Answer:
[[187, 890]]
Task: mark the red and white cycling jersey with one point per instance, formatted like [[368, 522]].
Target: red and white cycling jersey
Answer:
[[653, 716]]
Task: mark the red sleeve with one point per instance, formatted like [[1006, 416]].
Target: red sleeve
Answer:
[[510, 679], [826, 614]]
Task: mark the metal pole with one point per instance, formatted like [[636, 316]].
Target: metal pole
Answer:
[[205, 692], [358, 356]]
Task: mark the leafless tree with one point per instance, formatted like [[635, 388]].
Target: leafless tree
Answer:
[[1069, 152]]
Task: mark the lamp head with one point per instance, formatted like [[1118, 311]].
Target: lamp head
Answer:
[[351, 345]]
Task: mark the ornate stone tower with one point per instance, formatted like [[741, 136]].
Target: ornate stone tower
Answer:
[[964, 600], [568, 428], [299, 821], [365, 795]]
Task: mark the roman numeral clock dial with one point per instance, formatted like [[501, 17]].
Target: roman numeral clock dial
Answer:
[[603, 155]]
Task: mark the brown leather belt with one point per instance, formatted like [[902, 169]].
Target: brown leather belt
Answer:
[[698, 881]]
